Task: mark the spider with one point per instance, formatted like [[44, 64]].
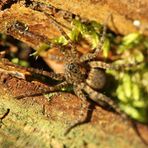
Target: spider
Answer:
[[84, 73]]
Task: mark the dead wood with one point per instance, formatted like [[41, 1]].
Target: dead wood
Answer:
[[40, 121], [124, 12]]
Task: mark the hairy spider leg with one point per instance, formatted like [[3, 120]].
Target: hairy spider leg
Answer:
[[67, 56], [103, 65], [50, 10], [70, 43], [34, 70], [39, 6], [102, 39], [58, 25], [81, 117], [45, 90], [100, 64], [99, 98], [90, 56], [52, 75], [64, 50]]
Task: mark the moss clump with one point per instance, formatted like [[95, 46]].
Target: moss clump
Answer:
[[131, 91]]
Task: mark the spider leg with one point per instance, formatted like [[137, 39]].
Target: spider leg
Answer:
[[90, 56], [64, 55], [102, 39], [57, 24], [103, 65], [99, 98], [81, 118], [70, 42], [50, 10], [60, 26], [42, 91], [57, 58], [53, 75], [100, 64]]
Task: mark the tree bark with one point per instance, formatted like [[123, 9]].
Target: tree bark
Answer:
[[124, 12], [41, 121]]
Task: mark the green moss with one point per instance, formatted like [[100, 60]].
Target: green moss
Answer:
[[131, 91], [90, 32]]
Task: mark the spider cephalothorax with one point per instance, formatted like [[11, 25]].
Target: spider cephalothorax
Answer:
[[73, 73]]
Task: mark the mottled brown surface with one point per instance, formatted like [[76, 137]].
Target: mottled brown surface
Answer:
[[40, 121], [123, 12], [123, 15], [61, 108], [39, 24]]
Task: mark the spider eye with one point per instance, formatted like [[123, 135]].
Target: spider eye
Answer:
[[73, 67]]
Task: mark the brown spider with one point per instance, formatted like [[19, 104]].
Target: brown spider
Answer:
[[83, 72]]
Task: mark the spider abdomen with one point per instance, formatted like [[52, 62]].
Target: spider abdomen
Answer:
[[96, 78]]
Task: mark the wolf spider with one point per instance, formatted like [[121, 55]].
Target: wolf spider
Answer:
[[84, 73]]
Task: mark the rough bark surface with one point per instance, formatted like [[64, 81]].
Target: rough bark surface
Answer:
[[41, 121], [124, 12]]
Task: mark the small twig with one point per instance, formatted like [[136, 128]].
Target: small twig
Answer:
[[4, 116]]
